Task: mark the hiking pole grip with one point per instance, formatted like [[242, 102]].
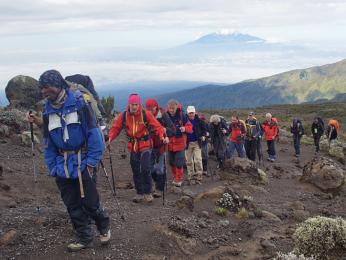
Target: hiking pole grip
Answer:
[[31, 128]]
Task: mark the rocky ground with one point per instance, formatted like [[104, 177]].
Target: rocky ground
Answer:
[[186, 227]]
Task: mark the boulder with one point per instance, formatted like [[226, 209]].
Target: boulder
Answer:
[[23, 92], [337, 152], [240, 165], [214, 193], [26, 138], [324, 173], [12, 120], [4, 130], [185, 202]]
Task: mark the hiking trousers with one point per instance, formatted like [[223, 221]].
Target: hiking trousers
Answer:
[[204, 149], [251, 148], [296, 143], [177, 161], [231, 146], [81, 210], [219, 146], [194, 161], [158, 169], [317, 139], [140, 164], [271, 149]]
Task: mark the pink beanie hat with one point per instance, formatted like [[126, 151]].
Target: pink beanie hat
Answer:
[[134, 99]]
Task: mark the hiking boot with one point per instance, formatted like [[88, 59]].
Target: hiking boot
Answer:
[[77, 246], [138, 198], [148, 198], [177, 183], [104, 239], [157, 194], [205, 173]]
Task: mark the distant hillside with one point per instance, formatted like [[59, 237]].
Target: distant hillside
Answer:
[[297, 86]]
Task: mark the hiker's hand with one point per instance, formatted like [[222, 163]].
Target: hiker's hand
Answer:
[[108, 144], [224, 131], [182, 129], [203, 138], [165, 140], [30, 117]]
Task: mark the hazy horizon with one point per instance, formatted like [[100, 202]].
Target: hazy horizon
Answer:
[[118, 42]]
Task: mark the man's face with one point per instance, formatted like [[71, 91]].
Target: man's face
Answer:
[[269, 118], [172, 109], [191, 115], [250, 117], [50, 93], [153, 110], [133, 108]]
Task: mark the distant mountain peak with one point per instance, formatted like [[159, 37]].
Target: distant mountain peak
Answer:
[[225, 36]]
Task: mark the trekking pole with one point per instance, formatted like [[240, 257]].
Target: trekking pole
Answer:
[[165, 179], [111, 163], [330, 136], [34, 161], [113, 191], [261, 152]]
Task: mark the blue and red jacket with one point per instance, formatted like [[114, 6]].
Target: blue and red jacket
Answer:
[[71, 128]]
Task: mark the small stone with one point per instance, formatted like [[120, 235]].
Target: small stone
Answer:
[[202, 224], [8, 237], [266, 244], [224, 223], [204, 214]]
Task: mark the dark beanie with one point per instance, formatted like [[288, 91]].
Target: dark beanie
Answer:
[[52, 78]]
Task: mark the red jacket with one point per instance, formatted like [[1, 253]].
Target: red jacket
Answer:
[[238, 132], [137, 131], [177, 142], [271, 129]]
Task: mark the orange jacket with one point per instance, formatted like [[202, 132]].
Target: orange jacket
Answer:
[[271, 129], [137, 131], [335, 124]]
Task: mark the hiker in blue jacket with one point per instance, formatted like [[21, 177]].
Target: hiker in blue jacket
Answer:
[[73, 148]]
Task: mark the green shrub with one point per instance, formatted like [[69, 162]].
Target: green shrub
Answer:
[[221, 211], [321, 237], [242, 214]]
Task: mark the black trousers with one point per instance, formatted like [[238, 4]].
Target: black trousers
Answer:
[[140, 164], [81, 211], [317, 139]]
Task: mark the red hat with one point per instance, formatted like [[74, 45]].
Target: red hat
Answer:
[[134, 99], [151, 103]]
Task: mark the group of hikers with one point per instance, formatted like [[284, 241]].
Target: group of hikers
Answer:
[[75, 138]]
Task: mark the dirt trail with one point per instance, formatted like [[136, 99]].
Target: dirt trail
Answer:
[[145, 233]]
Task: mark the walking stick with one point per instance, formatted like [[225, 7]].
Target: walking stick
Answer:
[[113, 191], [34, 162], [111, 163], [165, 179]]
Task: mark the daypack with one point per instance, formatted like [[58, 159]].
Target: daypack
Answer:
[[334, 123], [144, 119], [88, 98]]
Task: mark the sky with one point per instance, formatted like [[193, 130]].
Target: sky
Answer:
[[37, 35]]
